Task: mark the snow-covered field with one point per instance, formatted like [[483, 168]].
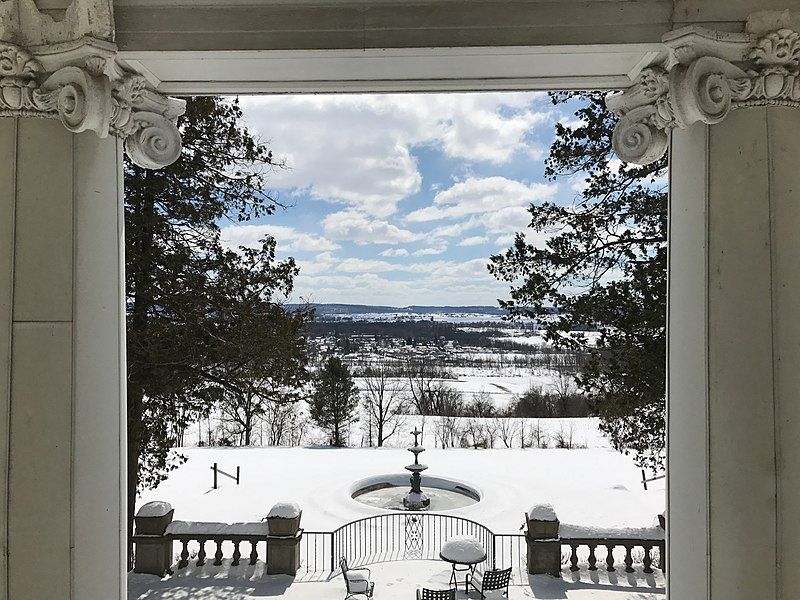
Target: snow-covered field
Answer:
[[589, 488]]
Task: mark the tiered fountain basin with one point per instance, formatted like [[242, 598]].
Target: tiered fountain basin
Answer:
[[388, 491]]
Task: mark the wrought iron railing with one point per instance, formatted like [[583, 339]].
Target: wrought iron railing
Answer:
[[404, 536], [419, 536]]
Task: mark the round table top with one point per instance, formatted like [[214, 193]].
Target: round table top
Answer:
[[463, 550]]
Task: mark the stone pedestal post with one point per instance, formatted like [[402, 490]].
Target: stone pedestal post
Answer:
[[544, 544], [153, 550], [283, 542], [283, 554]]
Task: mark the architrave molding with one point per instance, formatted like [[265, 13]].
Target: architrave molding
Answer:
[[68, 70], [704, 76]]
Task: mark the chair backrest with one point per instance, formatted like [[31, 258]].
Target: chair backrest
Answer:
[[343, 564], [437, 594], [496, 579]]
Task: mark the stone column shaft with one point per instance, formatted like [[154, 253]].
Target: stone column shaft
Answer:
[[61, 363], [734, 357]]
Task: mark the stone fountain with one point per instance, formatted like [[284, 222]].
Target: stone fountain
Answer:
[[416, 499]]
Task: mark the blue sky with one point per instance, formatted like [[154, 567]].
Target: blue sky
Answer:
[[401, 199]]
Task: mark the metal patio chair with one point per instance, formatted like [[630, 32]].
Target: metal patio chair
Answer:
[[490, 580], [355, 581], [426, 594]]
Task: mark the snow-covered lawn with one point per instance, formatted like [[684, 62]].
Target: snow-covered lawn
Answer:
[[589, 488], [393, 581]]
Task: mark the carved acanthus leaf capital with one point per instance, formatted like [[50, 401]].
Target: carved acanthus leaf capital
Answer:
[[82, 85], [706, 75]]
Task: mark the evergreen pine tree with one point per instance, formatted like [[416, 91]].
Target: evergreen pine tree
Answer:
[[334, 402]]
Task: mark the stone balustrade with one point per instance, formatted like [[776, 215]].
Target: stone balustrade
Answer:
[[156, 533]]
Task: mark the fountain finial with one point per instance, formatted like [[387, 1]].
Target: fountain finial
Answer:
[[416, 433], [416, 499]]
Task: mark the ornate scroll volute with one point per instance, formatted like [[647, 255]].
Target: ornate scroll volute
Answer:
[[705, 75], [81, 100], [644, 118], [155, 141], [701, 91]]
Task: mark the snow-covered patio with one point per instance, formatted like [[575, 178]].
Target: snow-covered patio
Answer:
[[393, 581]]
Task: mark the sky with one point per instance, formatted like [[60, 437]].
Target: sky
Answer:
[[401, 199]]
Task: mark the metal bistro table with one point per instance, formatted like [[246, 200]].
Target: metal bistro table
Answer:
[[464, 553]]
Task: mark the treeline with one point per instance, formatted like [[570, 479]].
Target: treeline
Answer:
[[414, 332]]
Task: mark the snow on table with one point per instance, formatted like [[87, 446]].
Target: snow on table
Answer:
[[464, 550]]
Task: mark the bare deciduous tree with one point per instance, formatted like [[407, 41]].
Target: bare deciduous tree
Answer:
[[384, 402]]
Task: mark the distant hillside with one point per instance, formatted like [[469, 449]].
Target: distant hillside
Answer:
[[360, 309]]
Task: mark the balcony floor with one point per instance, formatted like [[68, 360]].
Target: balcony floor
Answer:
[[393, 581]]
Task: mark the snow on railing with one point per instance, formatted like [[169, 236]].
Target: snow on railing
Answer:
[[186, 532]]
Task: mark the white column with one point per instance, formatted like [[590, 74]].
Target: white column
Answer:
[[734, 358], [61, 363]]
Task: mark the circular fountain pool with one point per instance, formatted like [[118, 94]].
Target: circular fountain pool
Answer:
[[388, 491]]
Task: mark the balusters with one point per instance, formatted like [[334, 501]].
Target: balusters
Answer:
[[253, 551], [573, 558], [648, 560], [628, 559], [201, 555], [218, 553], [610, 558], [184, 561], [236, 554], [592, 558]]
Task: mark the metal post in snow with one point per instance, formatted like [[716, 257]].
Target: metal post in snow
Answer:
[[214, 468], [237, 475]]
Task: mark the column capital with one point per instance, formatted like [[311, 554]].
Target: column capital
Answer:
[[702, 76], [68, 70]]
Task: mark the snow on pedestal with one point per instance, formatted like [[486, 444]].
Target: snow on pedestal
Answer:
[[284, 519], [463, 549], [156, 508], [542, 512], [284, 510]]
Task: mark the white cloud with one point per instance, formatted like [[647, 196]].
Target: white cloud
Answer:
[[437, 282], [481, 195], [505, 240], [395, 252], [362, 265], [288, 239], [355, 149], [431, 250], [454, 230], [507, 220], [354, 226], [475, 240]]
